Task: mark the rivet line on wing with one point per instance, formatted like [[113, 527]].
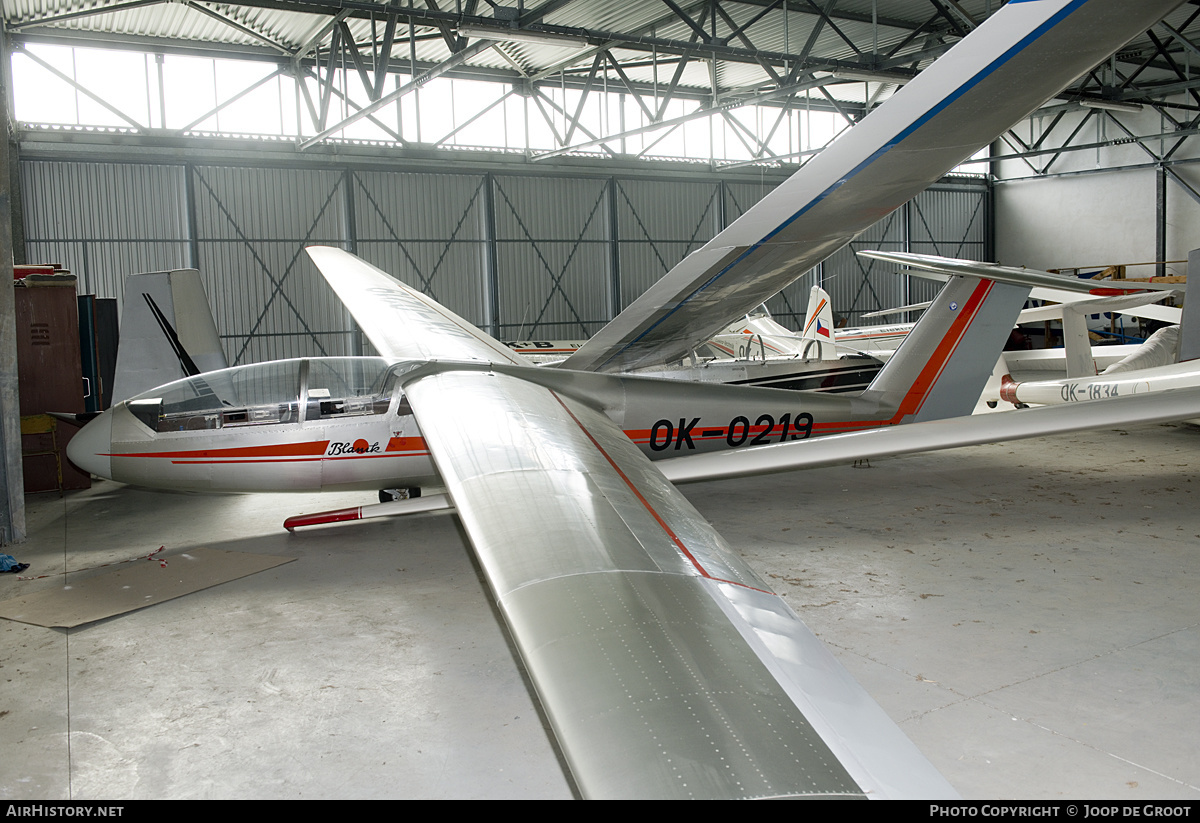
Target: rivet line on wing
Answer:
[[658, 518]]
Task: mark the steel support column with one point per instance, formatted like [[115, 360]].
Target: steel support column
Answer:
[[189, 193], [614, 252], [1160, 220], [491, 270], [12, 481], [350, 235]]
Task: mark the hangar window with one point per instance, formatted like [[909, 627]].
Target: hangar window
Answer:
[[73, 87]]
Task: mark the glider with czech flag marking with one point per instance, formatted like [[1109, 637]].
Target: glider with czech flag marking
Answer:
[[665, 665]]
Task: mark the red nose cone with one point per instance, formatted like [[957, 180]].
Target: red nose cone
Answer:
[[1008, 389]]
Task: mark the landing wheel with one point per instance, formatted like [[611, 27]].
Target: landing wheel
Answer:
[[389, 495]]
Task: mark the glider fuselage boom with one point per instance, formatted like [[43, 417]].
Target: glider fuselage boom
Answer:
[[278, 426]]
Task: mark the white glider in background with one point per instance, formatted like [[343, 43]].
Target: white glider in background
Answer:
[[1151, 367]]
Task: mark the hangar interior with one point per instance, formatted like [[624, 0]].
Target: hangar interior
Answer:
[[535, 167]]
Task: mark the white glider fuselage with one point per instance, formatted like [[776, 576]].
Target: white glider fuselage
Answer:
[[1103, 386], [277, 427], [325, 423]]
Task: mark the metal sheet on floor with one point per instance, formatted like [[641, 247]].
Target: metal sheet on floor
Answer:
[[133, 586]]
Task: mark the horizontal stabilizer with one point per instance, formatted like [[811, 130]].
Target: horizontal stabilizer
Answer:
[[1015, 276], [75, 418], [897, 310], [1163, 407], [1134, 305]]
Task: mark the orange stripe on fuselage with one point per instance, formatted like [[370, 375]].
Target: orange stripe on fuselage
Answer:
[[285, 452], [309, 449]]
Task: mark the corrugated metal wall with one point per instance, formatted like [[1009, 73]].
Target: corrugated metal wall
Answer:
[[552, 256], [658, 225], [950, 219], [105, 220], [519, 255], [251, 226], [429, 230]]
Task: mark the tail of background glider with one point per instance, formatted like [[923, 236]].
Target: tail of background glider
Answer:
[[942, 366], [921, 398], [1073, 313], [1189, 331], [167, 332], [818, 325]]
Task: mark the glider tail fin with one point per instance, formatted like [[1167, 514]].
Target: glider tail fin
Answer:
[[818, 326], [167, 332], [1189, 331], [942, 366]]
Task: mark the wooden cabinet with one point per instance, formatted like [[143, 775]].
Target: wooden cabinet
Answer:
[[50, 379]]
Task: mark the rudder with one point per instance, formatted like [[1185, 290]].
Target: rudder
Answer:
[[818, 326], [942, 366], [167, 332]]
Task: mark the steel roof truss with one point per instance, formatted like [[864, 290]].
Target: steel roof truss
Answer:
[[829, 22], [430, 74], [573, 121], [391, 132], [235, 25], [740, 35], [601, 141], [630, 87]]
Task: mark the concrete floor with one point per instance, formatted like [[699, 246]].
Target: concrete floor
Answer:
[[1027, 612]]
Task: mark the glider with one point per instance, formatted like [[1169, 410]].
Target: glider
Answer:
[[665, 665], [1154, 366]]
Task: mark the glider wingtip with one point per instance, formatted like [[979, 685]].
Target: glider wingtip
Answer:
[[317, 251]]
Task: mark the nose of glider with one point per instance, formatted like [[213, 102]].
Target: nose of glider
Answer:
[[90, 449]]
